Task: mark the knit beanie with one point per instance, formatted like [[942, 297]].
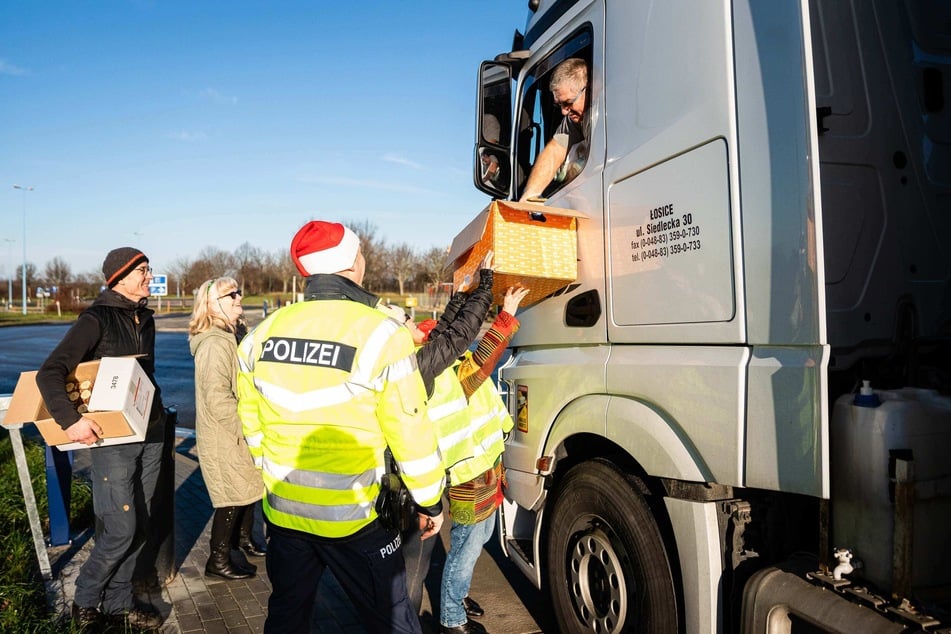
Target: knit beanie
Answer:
[[324, 247], [120, 262]]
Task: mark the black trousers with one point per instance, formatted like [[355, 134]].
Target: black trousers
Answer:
[[369, 567]]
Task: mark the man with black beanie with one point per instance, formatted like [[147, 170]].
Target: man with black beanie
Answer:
[[124, 477]]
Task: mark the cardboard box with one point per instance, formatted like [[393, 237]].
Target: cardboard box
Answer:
[[114, 391], [534, 245]]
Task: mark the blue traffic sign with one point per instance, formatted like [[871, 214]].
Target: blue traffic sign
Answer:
[[159, 285]]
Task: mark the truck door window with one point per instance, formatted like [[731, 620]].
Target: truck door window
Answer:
[[539, 117]]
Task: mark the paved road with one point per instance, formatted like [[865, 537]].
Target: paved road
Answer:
[[25, 347]]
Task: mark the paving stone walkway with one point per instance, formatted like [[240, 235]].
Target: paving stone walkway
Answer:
[[192, 602]]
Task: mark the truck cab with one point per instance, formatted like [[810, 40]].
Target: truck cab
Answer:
[[766, 190]]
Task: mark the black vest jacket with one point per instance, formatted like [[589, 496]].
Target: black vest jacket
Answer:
[[125, 330]]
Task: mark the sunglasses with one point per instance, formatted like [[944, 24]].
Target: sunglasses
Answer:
[[235, 294], [564, 105]]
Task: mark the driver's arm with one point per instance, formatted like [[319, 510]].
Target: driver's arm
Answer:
[[546, 166]]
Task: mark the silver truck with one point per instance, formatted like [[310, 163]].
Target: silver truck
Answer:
[[738, 417]]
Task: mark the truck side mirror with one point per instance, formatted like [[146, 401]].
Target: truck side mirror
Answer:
[[492, 169]]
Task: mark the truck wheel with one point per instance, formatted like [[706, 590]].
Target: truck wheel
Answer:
[[607, 566]]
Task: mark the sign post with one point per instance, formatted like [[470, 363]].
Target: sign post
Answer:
[[159, 288]]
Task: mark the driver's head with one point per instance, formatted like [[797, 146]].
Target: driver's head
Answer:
[[569, 85]]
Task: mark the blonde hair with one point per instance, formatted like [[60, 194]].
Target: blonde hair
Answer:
[[204, 315]]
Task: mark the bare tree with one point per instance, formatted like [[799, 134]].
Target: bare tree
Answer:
[[249, 262], [402, 262], [30, 273], [374, 252], [212, 262], [284, 269], [434, 268], [87, 285], [433, 265], [270, 271], [58, 272], [179, 269]]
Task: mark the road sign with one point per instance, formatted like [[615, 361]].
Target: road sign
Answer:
[[159, 285]]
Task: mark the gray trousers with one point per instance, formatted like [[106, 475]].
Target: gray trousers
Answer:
[[123, 485], [417, 555]]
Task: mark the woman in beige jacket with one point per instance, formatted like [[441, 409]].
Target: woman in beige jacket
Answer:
[[234, 483]]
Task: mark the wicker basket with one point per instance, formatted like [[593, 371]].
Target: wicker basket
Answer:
[[534, 246]]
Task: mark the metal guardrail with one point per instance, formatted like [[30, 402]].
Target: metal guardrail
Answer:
[[59, 475], [29, 498]]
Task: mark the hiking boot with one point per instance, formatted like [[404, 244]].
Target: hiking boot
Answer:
[[85, 617], [145, 618]]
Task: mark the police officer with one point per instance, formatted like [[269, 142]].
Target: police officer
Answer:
[[325, 386]]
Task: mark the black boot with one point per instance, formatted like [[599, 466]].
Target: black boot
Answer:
[[245, 534], [472, 608], [86, 618], [219, 563]]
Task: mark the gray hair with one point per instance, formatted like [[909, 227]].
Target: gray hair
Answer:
[[573, 70]]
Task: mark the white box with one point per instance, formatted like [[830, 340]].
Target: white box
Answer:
[[120, 402]]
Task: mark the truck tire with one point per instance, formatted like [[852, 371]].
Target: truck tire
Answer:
[[607, 566]]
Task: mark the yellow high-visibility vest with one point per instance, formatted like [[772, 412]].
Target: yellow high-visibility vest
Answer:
[[471, 437], [324, 387]]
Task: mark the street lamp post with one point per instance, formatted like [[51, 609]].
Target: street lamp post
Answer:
[[10, 242], [24, 190]]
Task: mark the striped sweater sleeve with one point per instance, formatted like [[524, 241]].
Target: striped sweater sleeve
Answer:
[[474, 370]]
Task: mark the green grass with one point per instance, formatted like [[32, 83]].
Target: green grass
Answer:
[[22, 594], [13, 318]]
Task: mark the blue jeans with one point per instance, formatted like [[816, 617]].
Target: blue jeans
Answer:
[[123, 485], [465, 546]]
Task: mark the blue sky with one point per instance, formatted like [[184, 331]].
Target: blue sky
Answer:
[[177, 125]]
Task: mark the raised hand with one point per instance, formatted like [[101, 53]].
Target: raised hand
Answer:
[[513, 297]]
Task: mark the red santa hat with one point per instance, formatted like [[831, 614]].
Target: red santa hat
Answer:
[[324, 247]]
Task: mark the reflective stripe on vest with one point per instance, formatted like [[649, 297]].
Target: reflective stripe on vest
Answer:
[[254, 440], [490, 419], [449, 411], [314, 399], [317, 512], [321, 479]]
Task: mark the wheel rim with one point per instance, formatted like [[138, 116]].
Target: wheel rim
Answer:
[[596, 581]]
